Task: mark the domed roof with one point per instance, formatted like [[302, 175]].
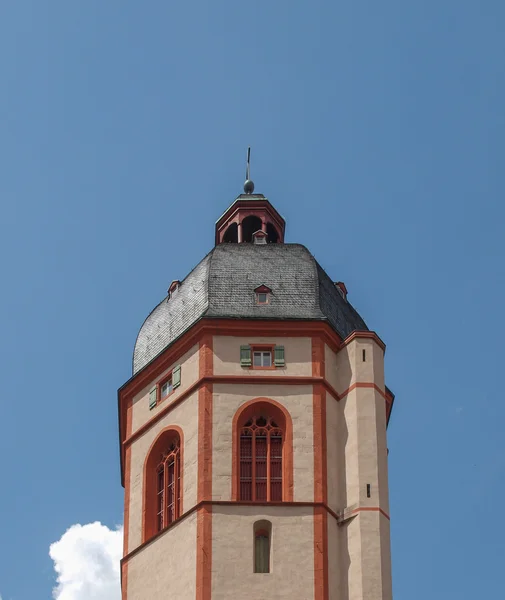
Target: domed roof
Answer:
[[222, 286]]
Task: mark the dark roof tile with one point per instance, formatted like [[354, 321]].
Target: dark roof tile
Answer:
[[223, 285]]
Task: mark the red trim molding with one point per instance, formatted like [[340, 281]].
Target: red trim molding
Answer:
[[206, 368], [244, 379], [318, 358], [347, 514], [204, 481], [127, 492], [340, 518], [319, 425], [320, 473], [364, 334], [363, 384], [232, 327], [206, 355], [205, 442], [124, 580]]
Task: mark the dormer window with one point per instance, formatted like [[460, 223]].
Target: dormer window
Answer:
[[174, 286], [263, 294], [340, 285], [260, 237]]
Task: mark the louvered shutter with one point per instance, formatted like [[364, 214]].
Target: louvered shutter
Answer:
[[176, 377], [245, 356], [152, 397], [279, 356]]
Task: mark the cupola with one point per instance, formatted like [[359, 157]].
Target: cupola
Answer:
[[249, 214]]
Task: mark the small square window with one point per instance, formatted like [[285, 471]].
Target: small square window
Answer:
[[262, 358], [166, 388], [262, 298]]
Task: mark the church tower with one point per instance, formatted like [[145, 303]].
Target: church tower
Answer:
[[253, 430]]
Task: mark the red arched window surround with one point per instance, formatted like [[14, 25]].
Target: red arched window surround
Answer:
[[163, 479], [262, 452]]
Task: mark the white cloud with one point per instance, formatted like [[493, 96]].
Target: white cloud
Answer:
[[86, 561]]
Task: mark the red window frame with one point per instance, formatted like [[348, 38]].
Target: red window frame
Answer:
[[263, 348], [261, 445], [169, 442], [160, 384], [168, 486]]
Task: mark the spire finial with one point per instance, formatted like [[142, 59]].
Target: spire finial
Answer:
[[248, 185]]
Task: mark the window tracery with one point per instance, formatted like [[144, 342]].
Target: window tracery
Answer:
[[168, 479], [261, 444]]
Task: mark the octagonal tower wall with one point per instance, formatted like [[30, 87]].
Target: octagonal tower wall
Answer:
[[331, 538]]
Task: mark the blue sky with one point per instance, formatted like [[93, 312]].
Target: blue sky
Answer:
[[377, 130]]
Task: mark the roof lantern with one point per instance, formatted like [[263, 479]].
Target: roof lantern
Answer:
[[249, 214]]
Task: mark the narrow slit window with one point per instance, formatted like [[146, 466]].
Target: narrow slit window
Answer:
[[262, 552], [364, 355]]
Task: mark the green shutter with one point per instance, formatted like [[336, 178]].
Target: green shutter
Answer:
[[176, 377], [245, 356], [279, 356], [153, 393]]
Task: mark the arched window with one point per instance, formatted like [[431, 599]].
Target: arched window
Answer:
[[273, 235], [262, 546], [261, 459], [162, 483], [231, 234], [263, 453], [168, 486], [250, 224]]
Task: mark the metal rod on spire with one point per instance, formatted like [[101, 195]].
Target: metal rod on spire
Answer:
[[248, 185]]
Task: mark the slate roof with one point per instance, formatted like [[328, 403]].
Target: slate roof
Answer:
[[222, 286]]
